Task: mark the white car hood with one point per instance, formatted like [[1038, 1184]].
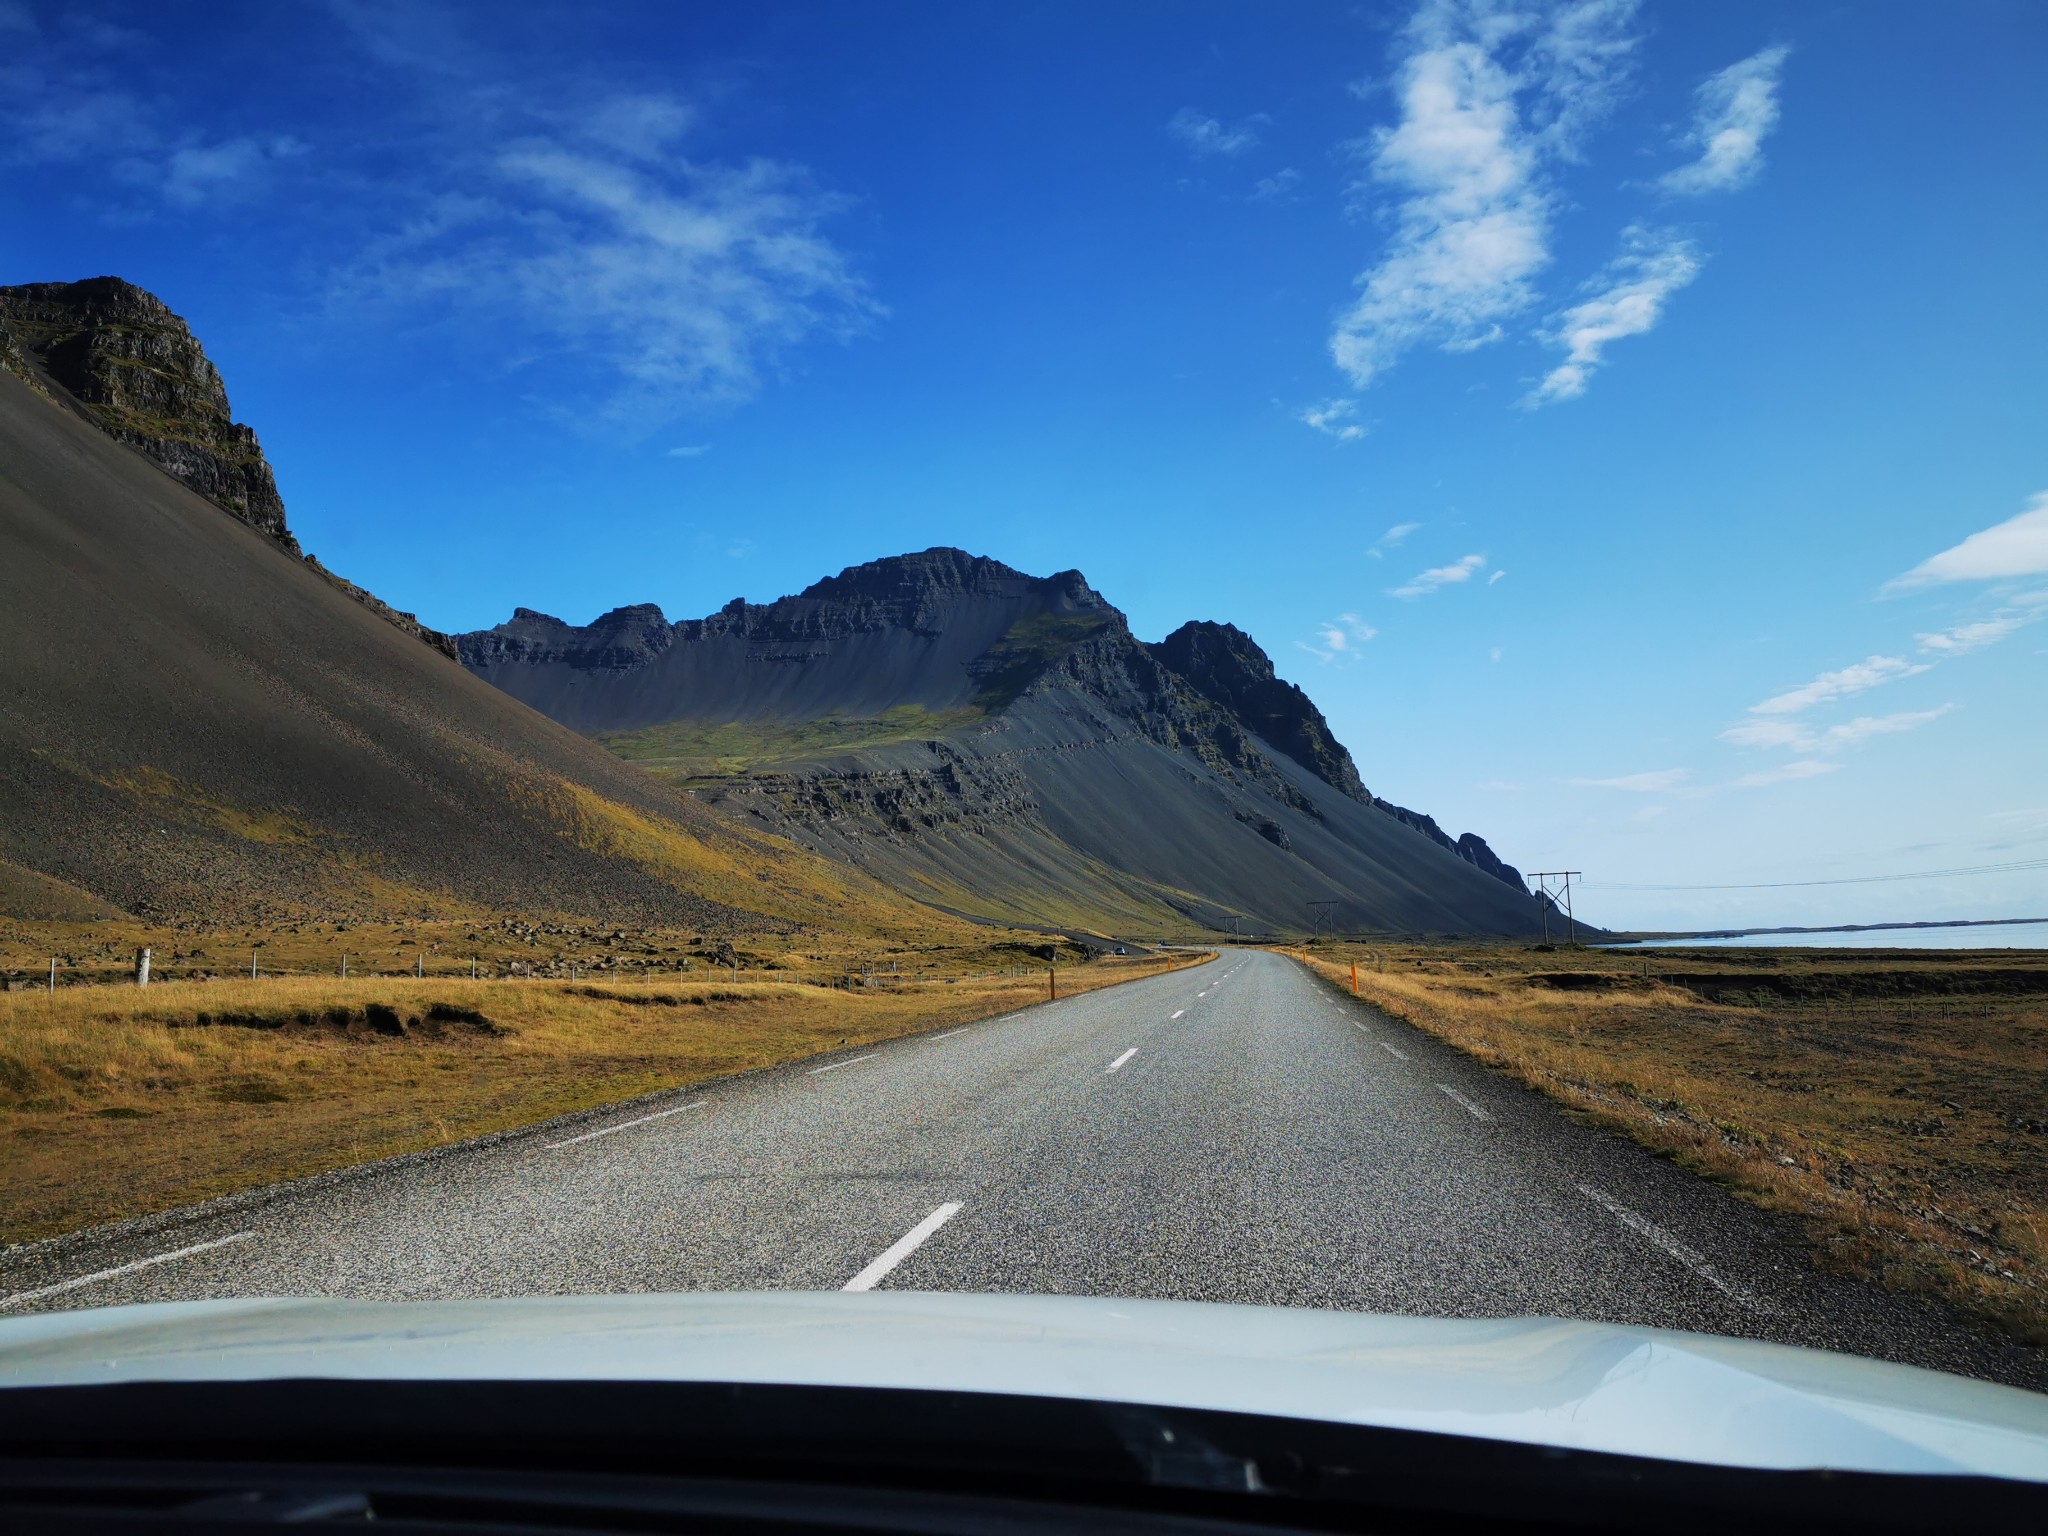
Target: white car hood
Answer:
[[1589, 1386]]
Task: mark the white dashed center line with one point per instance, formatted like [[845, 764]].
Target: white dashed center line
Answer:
[[1462, 1102], [121, 1269], [902, 1248], [835, 1066], [1127, 1055], [1691, 1258], [1394, 1051], [949, 1034], [1175, 1014], [624, 1125]]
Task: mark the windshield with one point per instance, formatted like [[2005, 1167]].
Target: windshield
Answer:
[[1378, 659]]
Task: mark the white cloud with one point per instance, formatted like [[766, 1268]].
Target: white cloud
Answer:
[[1629, 300], [1340, 638], [690, 451], [2016, 547], [1205, 135], [659, 283], [1656, 782], [1487, 94], [1801, 738], [1390, 539], [1734, 110], [1276, 188], [1428, 581], [1496, 576], [1334, 418], [1803, 768], [1494, 654], [1840, 684], [1971, 637]]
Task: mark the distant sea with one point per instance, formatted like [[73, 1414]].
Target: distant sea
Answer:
[[1974, 936]]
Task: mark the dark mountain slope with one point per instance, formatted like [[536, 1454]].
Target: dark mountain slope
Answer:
[[1002, 745], [116, 355], [196, 726]]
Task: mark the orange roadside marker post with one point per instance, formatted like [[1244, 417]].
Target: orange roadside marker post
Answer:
[[1052, 984], [1354, 978]]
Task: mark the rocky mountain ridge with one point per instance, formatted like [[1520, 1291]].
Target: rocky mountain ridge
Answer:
[[1044, 734]]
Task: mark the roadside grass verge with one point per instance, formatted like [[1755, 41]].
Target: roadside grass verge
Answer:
[[1894, 1102], [123, 1101]]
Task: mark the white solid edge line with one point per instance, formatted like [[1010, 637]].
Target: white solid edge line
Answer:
[[122, 1269], [902, 1248], [1394, 1051], [1175, 1014], [1127, 1055], [1691, 1258], [1462, 1102], [835, 1066], [623, 1125]]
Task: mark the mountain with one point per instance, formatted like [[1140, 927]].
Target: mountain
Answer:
[[1001, 745], [116, 355], [199, 726]]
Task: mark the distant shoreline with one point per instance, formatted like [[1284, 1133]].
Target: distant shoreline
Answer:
[[1637, 936]]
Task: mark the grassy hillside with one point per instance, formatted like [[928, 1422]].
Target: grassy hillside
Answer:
[[684, 751]]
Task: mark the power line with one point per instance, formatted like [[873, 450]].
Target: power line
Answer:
[[1786, 885]]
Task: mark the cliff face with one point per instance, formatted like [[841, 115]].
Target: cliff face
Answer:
[[1225, 664], [141, 375]]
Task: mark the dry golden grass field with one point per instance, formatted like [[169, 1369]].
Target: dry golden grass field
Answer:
[[117, 1100], [1897, 1101]]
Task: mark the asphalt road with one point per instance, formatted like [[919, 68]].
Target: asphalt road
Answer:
[[1235, 1132]]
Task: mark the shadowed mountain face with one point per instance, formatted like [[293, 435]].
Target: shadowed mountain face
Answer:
[[1001, 745], [197, 726]]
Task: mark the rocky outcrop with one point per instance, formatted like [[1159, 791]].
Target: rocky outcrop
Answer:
[[1470, 847], [137, 370], [1225, 664], [395, 617]]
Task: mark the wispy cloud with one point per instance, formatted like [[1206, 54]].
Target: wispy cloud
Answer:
[[1488, 94], [1461, 569], [1334, 418], [1656, 782], [1391, 539], [1802, 738], [198, 173], [691, 279], [1496, 576], [2016, 547], [1339, 639], [1276, 188], [1802, 768], [1973, 637], [1206, 135], [1734, 111], [1839, 684], [1627, 300], [690, 451]]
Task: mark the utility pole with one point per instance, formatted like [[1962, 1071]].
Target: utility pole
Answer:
[[1325, 920], [1551, 884]]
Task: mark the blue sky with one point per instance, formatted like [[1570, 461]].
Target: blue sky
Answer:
[[1626, 420]]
